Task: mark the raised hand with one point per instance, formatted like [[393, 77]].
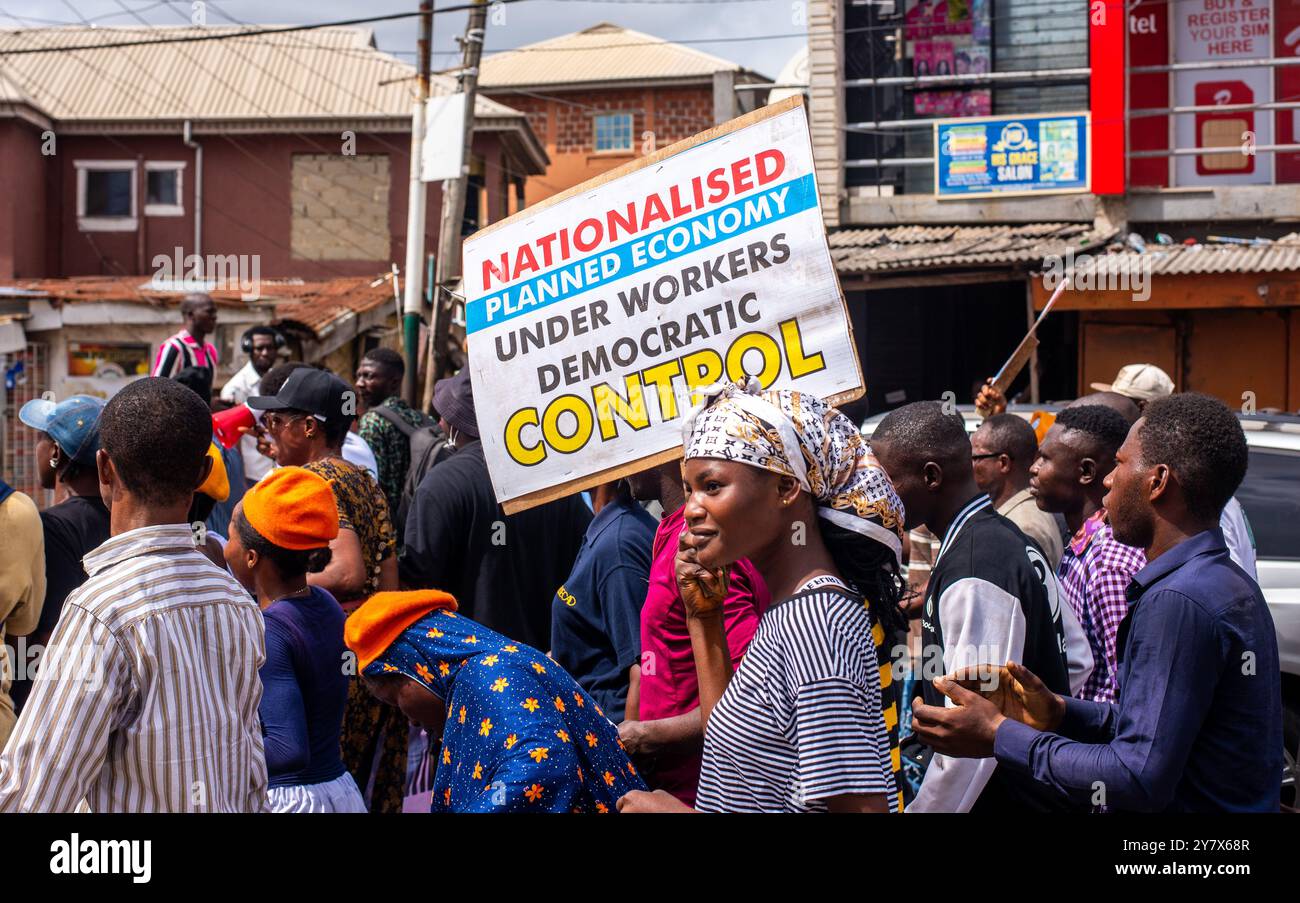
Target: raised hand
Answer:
[[990, 401], [258, 432], [703, 590]]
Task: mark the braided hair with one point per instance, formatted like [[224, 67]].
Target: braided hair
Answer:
[[872, 568]]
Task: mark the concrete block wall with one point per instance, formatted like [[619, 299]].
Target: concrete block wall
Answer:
[[336, 196]]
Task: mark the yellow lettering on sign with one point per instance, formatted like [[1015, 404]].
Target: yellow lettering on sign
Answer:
[[609, 403], [612, 408], [527, 455], [765, 345], [800, 363], [702, 368], [661, 377], [551, 424]]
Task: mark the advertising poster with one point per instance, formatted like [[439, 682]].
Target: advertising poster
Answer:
[[950, 37], [1223, 30], [1024, 155]]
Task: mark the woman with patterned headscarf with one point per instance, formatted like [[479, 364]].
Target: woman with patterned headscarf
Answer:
[[809, 722], [517, 733]]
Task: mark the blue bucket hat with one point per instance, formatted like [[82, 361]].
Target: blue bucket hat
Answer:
[[72, 423]]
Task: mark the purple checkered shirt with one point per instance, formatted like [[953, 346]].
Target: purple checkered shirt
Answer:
[[1094, 573]]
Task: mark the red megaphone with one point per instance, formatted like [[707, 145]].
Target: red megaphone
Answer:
[[227, 424]]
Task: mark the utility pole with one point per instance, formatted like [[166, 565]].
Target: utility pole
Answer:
[[416, 205], [447, 262]]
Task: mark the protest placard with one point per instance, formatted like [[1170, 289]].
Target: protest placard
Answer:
[[594, 316]]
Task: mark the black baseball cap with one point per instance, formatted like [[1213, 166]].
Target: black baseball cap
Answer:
[[318, 392]]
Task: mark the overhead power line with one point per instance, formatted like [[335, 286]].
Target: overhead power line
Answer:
[[252, 32]]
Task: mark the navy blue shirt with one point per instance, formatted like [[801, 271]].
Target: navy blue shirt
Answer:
[[1198, 723], [596, 615], [304, 689]]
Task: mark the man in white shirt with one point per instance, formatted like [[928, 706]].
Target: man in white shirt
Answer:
[[261, 344]]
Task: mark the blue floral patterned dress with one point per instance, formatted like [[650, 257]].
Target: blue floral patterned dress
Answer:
[[521, 735]]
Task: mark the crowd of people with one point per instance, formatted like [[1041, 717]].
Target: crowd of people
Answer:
[[330, 612]]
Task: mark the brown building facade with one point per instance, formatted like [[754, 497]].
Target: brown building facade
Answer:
[[114, 158], [297, 202], [606, 95]]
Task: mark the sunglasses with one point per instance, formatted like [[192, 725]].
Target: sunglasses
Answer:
[[276, 422], [975, 457]]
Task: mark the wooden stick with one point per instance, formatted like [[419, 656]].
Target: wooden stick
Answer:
[[1011, 369]]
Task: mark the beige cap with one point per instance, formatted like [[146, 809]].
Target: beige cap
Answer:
[[1142, 382]]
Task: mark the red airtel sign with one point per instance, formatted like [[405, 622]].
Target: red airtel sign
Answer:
[[1106, 90], [1224, 29]]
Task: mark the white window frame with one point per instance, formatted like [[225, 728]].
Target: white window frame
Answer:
[[631, 132], [105, 223], [177, 167]]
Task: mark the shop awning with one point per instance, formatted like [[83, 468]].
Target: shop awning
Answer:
[[900, 249]]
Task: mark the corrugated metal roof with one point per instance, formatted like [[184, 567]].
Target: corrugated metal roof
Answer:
[[602, 53], [324, 73], [1280, 255], [113, 289], [317, 305], [858, 251], [9, 92], [314, 305]]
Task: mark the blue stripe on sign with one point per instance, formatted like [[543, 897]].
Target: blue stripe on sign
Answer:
[[548, 288]]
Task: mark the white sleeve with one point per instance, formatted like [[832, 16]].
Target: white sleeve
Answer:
[[982, 624], [1078, 654], [358, 452], [230, 392], [1236, 535]]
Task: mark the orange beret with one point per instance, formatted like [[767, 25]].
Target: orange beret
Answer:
[[293, 508], [373, 627]]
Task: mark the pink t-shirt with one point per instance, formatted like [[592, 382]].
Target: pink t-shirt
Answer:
[[668, 683]]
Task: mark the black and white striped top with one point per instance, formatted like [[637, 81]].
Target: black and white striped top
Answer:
[[810, 714]]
